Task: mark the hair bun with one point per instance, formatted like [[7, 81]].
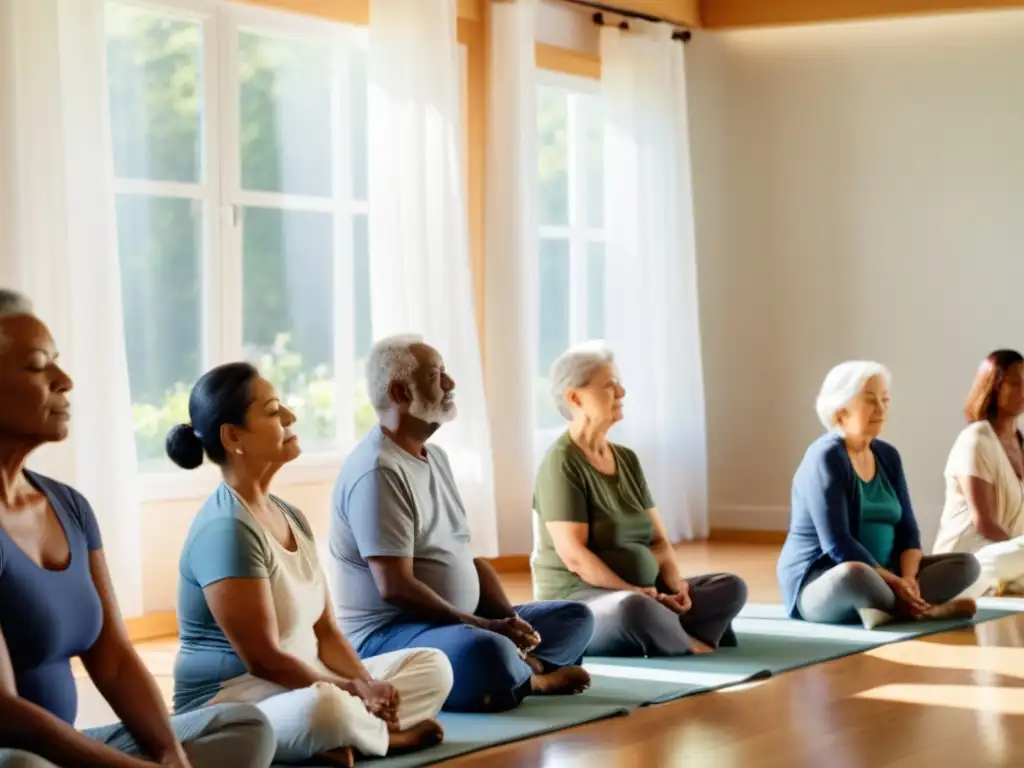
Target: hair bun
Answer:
[[184, 447]]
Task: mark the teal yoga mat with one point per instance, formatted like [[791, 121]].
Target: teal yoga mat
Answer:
[[771, 643], [608, 696], [534, 717]]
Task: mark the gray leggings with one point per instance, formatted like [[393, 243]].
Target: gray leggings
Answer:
[[836, 595], [631, 624], [214, 737]]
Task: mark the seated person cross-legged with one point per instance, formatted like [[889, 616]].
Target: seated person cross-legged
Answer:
[[403, 568], [853, 551], [254, 614], [601, 540], [57, 602], [984, 509]]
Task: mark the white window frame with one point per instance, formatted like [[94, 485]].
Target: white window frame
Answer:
[[223, 199], [578, 232]]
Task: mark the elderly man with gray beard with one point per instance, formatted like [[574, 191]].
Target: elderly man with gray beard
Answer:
[[402, 566]]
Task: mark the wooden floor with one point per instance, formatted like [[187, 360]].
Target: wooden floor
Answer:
[[948, 700]]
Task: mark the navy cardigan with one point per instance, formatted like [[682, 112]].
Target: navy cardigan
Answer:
[[825, 516]]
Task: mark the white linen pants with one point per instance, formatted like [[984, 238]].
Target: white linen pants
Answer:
[[311, 721]]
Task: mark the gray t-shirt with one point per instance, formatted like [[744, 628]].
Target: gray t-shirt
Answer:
[[388, 503]]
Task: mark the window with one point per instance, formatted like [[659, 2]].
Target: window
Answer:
[[571, 215], [241, 182]]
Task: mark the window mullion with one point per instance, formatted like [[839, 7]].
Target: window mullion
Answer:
[[230, 336], [577, 222], [344, 263]]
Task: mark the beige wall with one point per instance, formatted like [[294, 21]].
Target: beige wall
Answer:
[[859, 192]]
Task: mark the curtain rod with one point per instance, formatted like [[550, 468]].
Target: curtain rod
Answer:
[[601, 8]]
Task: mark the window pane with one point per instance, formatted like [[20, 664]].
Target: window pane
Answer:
[[155, 65], [593, 157], [160, 243], [358, 118], [595, 290], [285, 115], [553, 155], [288, 305], [554, 324], [364, 416]]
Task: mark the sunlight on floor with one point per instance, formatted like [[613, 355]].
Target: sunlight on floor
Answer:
[[982, 698], [663, 675], [1003, 661]]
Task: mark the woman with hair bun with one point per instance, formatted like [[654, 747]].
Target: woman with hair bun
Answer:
[[984, 509], [853, 551], [254, 614]]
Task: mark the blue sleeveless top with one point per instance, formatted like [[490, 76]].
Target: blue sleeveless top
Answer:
[[47, 617]]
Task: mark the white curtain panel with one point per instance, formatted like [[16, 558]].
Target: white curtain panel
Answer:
[[510, 269], [653, 319], [58, 245], [420, 268]]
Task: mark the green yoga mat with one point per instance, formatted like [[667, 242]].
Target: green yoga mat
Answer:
[[608, 696], [771, 643], [534, 717]]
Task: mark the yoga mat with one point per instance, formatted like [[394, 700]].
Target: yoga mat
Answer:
[[536, 716], [770, 643], [609, 696]]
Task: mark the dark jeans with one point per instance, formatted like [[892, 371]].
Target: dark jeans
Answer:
[[836, 595], [631, 624], [489, 673]]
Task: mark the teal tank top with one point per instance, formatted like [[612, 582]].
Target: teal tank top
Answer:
[[879, 513]]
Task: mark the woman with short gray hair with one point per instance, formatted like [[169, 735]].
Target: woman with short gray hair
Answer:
[[600, 538], [853, 551]]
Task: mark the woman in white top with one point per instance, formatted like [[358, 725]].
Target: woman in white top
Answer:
[[984, 510], [254, 616]]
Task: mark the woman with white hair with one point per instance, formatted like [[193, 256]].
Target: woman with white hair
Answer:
[[853, 551], [601, 540]]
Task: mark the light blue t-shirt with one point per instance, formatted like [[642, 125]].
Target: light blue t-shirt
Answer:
[[388, 503], [224, 542]]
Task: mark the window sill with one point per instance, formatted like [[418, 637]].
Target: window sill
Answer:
[[181, 485]]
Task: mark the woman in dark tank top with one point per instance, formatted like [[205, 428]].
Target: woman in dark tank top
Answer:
[[56, 602]]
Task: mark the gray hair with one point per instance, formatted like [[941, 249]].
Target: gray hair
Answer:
[[575, 368], [12, 304], [390, 359], [843, 383]]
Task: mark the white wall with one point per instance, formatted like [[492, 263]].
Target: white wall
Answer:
[[859, 193]]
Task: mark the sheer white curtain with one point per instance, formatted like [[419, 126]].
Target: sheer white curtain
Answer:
[[510, 269], [653, 319], [420, 268], [58, 245]]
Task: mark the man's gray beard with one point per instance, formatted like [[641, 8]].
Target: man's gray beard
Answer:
[[430, 413]]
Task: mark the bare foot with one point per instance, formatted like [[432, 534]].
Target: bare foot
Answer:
[[961, 608], [563, 680], [534, 663], [699, 647], [420, 736], [344, 756]]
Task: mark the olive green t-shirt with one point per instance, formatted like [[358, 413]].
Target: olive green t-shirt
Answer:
[[569, 489]]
